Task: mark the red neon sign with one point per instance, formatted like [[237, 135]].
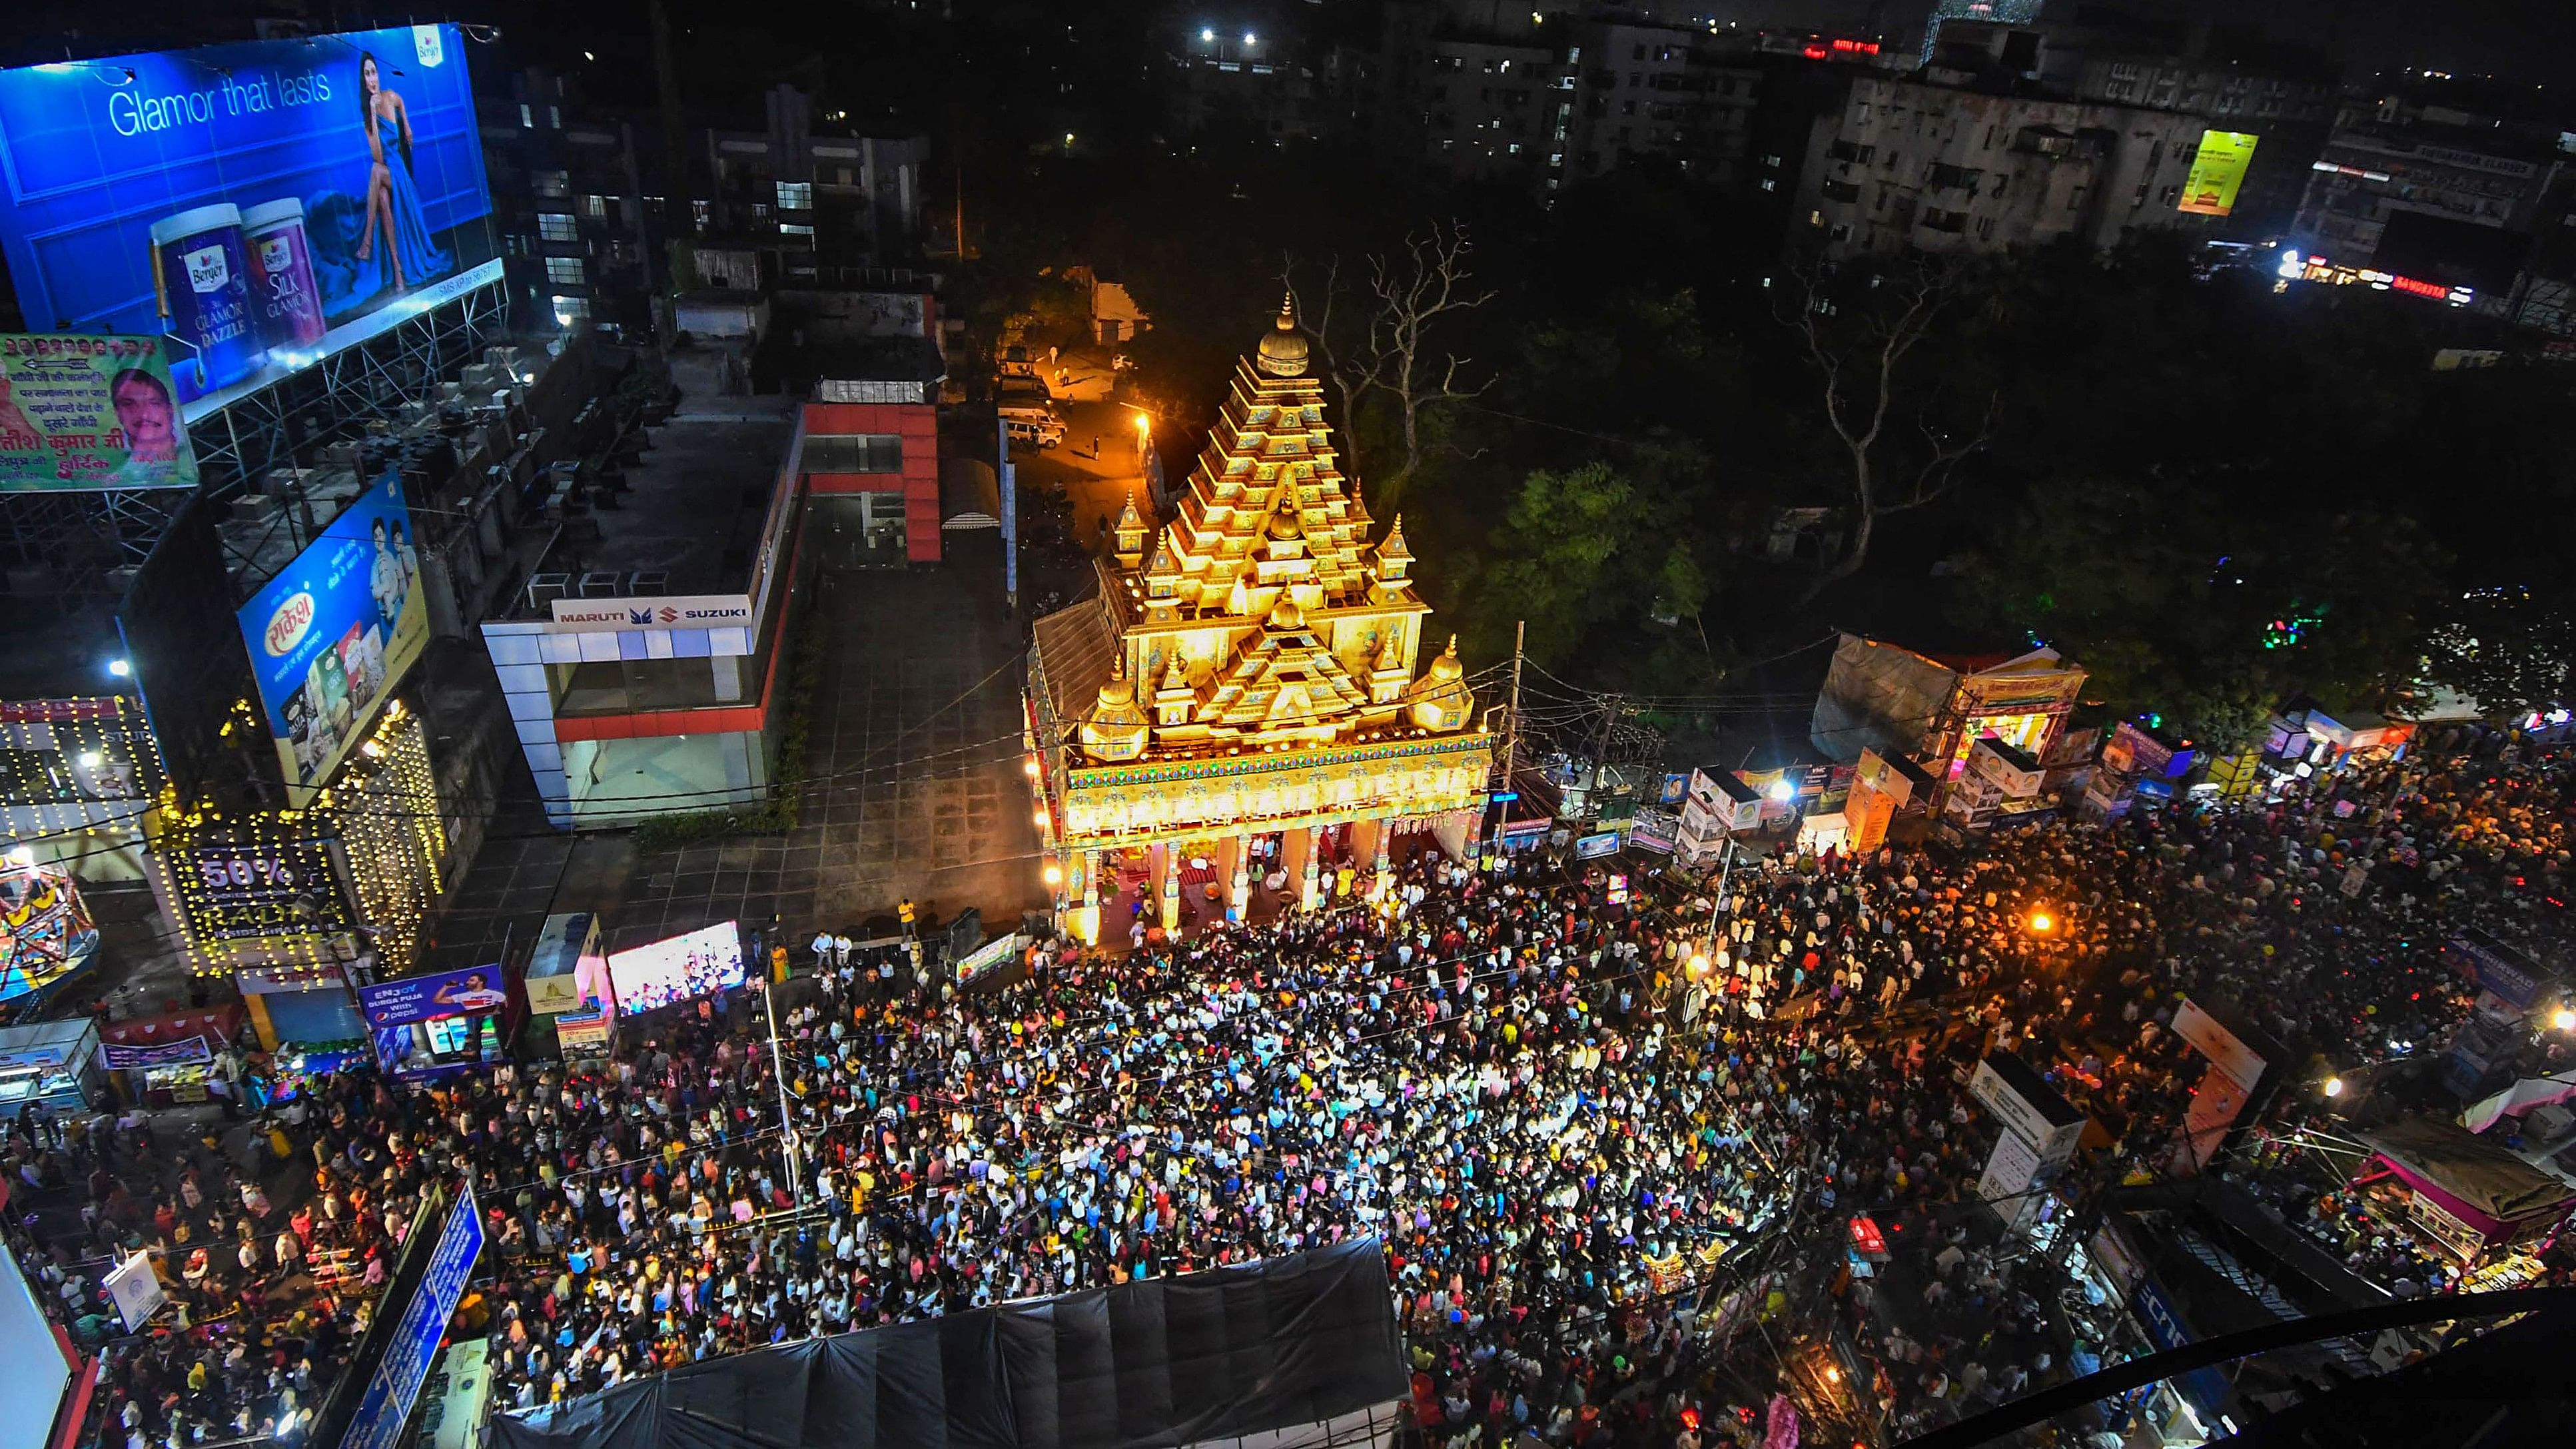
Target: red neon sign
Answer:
[[2420, 289], [1813, 52], [1857, 47]]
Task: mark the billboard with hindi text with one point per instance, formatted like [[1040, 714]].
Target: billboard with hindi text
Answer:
[[2217, 172]]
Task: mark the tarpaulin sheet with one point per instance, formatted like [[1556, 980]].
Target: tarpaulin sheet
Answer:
[[2493, 1184], [1166, 1362]]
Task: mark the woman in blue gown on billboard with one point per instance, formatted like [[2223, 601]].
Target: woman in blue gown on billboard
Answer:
[[393, 201]]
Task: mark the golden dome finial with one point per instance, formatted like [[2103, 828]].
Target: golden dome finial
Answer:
[[1283, 348]]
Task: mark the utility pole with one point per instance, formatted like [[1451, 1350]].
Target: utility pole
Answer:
[[778, 1069], [1511, 731], [1600, 756]]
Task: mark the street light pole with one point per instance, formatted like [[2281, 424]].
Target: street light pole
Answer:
[[778, 1069]]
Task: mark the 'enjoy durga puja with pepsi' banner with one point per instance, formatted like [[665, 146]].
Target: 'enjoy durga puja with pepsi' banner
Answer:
[[255, 206]]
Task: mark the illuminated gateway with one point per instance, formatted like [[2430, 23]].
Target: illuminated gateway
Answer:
[[1248, 669]]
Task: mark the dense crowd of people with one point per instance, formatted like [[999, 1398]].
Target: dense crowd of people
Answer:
[[1556, 1112]]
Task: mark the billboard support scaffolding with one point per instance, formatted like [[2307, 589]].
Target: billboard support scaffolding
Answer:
[[339, 395], [65, 531]]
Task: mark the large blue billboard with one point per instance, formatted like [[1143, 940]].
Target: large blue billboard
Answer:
[[331, 635], [259, 205], [394, 1387]]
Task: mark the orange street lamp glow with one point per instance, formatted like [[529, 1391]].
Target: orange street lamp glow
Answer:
[[2041, 923]]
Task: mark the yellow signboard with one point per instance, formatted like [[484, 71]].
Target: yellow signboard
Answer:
[[2216, 171]]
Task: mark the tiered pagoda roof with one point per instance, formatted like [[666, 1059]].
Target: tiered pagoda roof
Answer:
[[1260, 614]]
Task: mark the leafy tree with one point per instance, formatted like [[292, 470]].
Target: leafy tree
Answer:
[[2181, 602], [2510, 649]]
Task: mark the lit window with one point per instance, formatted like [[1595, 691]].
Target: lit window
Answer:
[[554, 117], [554, 226], [794, 228], [564, 271], [795, 196], [597, 206], [527, 117], [571, 311]]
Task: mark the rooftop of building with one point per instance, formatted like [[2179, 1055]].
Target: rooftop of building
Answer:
[[688, 517], [797, 362]]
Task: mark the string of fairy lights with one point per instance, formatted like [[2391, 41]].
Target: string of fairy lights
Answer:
[[392, 857]]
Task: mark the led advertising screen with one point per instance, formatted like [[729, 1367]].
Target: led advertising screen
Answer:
[[258, 205], [80, 413], [2217, 170], [682, 968], [333, 633]]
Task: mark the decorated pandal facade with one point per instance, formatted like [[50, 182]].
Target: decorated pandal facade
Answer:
[[1247, 667]]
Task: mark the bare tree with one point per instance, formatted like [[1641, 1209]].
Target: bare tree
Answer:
[[1860, 373], [1408, 294], [1314, 311]]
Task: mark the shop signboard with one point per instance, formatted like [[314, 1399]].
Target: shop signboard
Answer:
[[2225, 1050], [471, 991], [2217, 171], [972, 966], [2010, 1170], [2026, 1106], [2495, 967], [1593, 847], [2205, 1387], [693, 611], [117, 1057], [1655, 829], [246, 891], [80, 414], [585, 1032], [334, 632], [257, 206], [2448, 1227], [135, 1290], [394, 1387]]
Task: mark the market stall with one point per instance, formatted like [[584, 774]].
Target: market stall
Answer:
[[306, 1014], [2467, 1193], [50, 1062], [437, 1024], [168, 1060]]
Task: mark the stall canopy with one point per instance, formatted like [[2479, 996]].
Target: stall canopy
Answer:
[[2487, 1186], [1225, 1354]]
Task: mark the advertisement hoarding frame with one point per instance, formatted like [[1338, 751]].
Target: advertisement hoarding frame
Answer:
[[324, 616], [219, 196]]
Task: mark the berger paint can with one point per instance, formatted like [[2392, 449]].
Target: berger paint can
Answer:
[[282, 289], [203, 283]]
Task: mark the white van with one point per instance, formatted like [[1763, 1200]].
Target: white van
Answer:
[[1033, 432]]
